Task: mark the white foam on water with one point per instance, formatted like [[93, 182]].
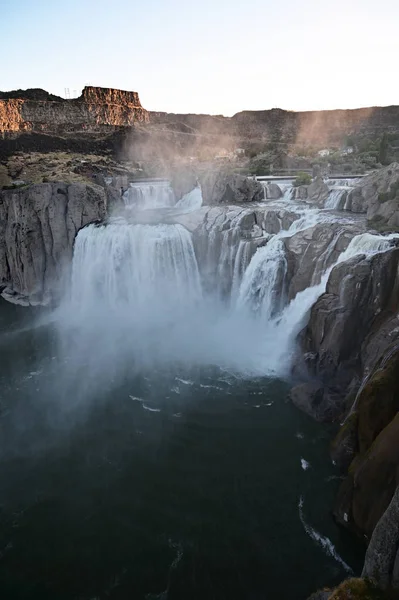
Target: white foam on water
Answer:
[[305, 464], [184, 381], [151, 409], [136, 399], [324, 542]]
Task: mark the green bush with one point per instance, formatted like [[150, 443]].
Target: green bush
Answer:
[[302, 179]]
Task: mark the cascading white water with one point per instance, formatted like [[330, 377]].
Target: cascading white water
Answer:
[[261, 290], [336, 198], [285, 328], [191, 201], [149, 195], [139, 266], [140, 287]]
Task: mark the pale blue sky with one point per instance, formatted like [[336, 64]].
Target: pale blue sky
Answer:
[[211, 56]]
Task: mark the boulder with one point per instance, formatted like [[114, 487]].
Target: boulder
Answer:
[[273, 191], [224, 187], [318, 191], [38, 225], [378, 196]]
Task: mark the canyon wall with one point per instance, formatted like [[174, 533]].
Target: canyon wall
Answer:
[[287, 127], [96, 108], [38, 225]]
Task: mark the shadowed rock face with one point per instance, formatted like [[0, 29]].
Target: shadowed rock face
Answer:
[[378, 196], [96, 108], [373, 473], [357, 298], [38, 225], [382, 556]]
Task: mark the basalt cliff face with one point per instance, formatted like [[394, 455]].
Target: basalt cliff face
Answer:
[[96, 108], [38, 225]]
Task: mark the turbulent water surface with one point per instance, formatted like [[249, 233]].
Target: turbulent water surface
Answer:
[[147, 449]]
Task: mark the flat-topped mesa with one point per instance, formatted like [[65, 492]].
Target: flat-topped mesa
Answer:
[[95, 109]]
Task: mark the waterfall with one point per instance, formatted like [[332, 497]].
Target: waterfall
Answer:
[[369, 244], [191, 201], [262, 287], [283, 330], [151, 294], [142, 267], [148, 195], [262, 290], [336, 198]]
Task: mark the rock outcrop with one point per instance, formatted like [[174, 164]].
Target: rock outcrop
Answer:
[[360, 295], [38, 225], [223, 187], [315, 249], [273, 191], [377, 195], [382, 557], [373, 473], [318, 191], [96, 108]]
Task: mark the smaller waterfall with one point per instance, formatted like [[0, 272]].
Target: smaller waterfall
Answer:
[[262, 290], [339, 192], [286, 188], [336, 198], [262, 287], [285, 327], [369, 244], [191, 201], [148, 195], [242, 259]]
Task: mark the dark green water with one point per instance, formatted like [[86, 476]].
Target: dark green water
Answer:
[[189, 492]]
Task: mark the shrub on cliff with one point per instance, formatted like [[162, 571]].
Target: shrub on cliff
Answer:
[[302, 179]]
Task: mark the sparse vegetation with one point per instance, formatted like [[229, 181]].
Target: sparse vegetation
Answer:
[[361, 589], [302, 178]]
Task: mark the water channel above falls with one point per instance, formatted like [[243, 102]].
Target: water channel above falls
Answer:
[[147, 449]]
